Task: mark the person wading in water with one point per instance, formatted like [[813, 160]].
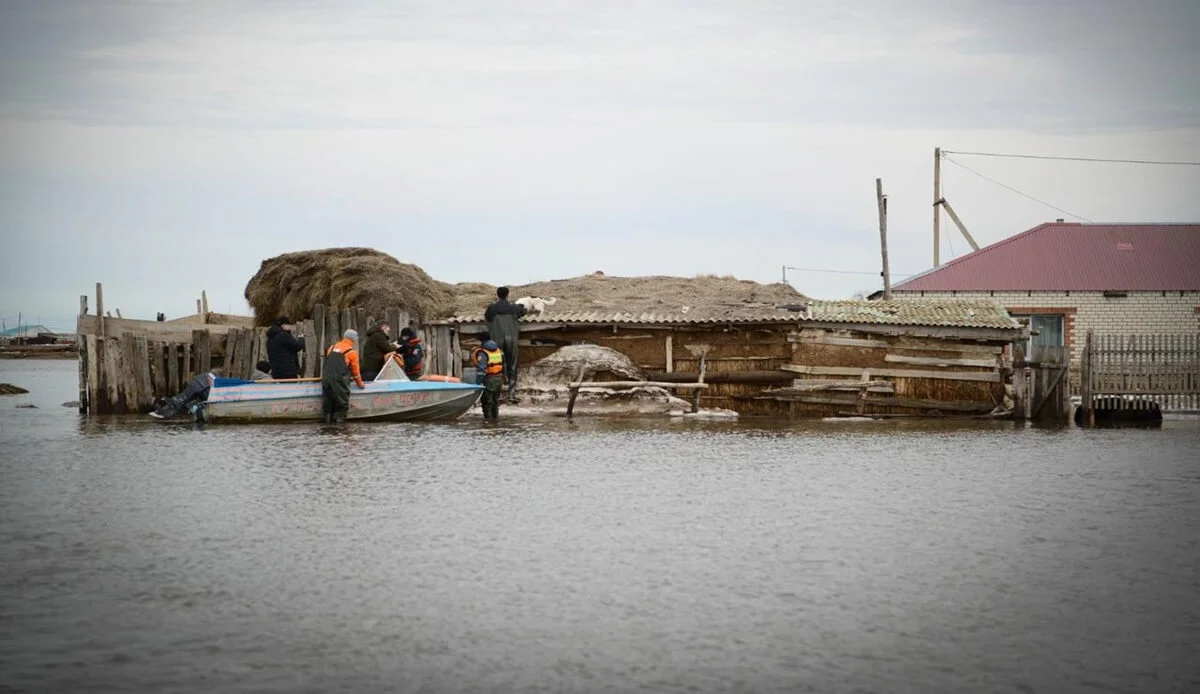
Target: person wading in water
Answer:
[[340, 365]]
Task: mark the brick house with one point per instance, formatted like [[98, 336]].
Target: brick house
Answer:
[[1067, 278]]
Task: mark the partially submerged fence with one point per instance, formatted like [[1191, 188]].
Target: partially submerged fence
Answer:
[[1140, 372]]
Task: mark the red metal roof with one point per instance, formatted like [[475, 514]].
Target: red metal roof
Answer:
[[1068, 256]]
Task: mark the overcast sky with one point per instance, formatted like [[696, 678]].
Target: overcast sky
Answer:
[[166, 147]]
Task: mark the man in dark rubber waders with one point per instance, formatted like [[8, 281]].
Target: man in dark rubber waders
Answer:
[[502, 317], [340, 365], [489, 373]]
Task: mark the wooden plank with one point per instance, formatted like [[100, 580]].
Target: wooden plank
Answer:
[[245, 366], [636, 384], [202, 347], [360, 322], [821, 339], [141, 367], [333, 329], [173, 383], [93, 374], [938, 361], [989, 377], [154, 353], [136, 391], [763, 377], [315, 345], [455, 354], [308, 363], [260, 349], [112, 372], [347, 321], [669, 354], [910, 403], [884, 387], [445, 344]]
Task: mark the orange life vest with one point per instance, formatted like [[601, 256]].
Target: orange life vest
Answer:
[[495, 361]]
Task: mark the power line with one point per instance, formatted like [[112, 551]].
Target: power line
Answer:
[[1014, 190], [1097, 160]]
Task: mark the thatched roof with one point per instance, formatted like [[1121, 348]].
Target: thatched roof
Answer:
[[292, 283], [703, 297]]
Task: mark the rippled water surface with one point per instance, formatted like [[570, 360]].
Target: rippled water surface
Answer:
[[542, 555]]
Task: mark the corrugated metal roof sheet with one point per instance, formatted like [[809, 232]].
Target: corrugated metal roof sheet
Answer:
[[962, 313], [958, 313], [1061, 256]]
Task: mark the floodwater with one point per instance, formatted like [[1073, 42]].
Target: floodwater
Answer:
[[594, 556]]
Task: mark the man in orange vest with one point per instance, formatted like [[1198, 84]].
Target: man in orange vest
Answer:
[[340, 365], [489, 373]]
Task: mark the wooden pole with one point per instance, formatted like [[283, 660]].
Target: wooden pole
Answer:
[[937, 202], [670, 355], [81, 345], [1085, 383], [99, 310], [881, 201]]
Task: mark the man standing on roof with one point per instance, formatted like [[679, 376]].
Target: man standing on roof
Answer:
[[340, 365], [283, 349], [502, 317]]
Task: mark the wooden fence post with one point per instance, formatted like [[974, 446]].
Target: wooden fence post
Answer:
[[99, 309], [1086, 381], [81, 346]]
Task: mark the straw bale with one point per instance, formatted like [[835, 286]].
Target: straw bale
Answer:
[[292, 283]]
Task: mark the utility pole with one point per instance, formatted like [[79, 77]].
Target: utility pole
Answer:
[[937, 201], [881, 201]]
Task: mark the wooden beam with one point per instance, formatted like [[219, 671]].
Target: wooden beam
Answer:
[[747, 377], [636, 384], [991, 377], [821, 339], [670, 355], [99, 309], [938, 361], [910, 403]]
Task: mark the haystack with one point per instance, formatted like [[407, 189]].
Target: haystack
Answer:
[[700, 297], [292, 283]]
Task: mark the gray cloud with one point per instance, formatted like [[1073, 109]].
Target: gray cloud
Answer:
[[319, 65]]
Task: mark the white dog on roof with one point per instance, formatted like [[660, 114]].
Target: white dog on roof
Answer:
[[535, 306]]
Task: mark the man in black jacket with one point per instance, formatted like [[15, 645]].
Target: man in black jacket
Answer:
[[283, 349], [502, 317], [376, 350]]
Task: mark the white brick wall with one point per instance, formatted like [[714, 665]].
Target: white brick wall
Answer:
[[1162, 313]]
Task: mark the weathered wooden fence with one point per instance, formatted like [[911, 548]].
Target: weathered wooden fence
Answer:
[[1041, 383], [126, 364], [1141, 371]]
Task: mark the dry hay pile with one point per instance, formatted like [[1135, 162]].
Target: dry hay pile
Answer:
[[292, 283], [703, 297]]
